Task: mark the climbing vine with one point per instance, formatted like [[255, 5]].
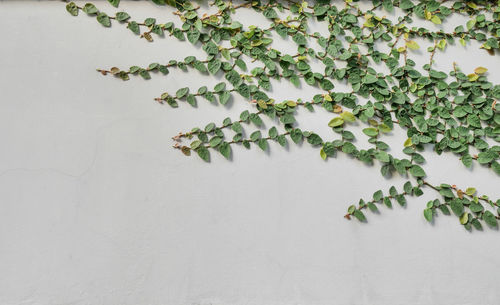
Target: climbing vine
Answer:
[[451, 111]]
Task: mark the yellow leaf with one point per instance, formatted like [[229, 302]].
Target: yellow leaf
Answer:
[[473, 77], [115, 70], [408, 142], [147, 36], [322, 154], [291, 103], [262, 104], [464, 218], [384, 128], [428, 15], [435, 19], [337, 109], [470, 191], [441, 44], [328, 98], [348, 116], [412, 45], [335, 122], [471, 5], [368, 24], [480, 70]]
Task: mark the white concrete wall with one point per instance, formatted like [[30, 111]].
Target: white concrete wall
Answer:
[[97, 208]]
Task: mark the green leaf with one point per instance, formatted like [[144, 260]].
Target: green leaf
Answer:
[[225, 150], [219, 87], [387, 202], [215, 141], [254, 118], [210, 127], [299, 39], [200, 66], [114, 3], [417, 171], [241, 64], [224, 97], [387, 4], [326, 85], [371, 132], [256, 135], [191, 100], [359, 215], [428, 214], [476, 207], [377, 196], [477, 225], [103, 19], [122, 16], [320, 10], [273, 132], [150, 21], [144, 74], [444, 209], [190, 15], [457, 207], [182, 92], [437, 74], [406, 4], [262, 144], [314, 139], [490, 219], [401, 199], [203, 153], [485, 157], [270, 13], [90, 9], [372, 207], [446, 192], [72, 8], [467, 160], [287, 119], [408, 187], [382, 156], [214, 66], [296, 135], [195, 144], [134, 27], [193, 36], [233, 77], [211, 48], [369, 79]]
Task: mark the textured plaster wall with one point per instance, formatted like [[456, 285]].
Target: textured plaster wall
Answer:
[[97, 208]]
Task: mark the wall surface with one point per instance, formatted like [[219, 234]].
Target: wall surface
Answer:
[[97, 208]]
